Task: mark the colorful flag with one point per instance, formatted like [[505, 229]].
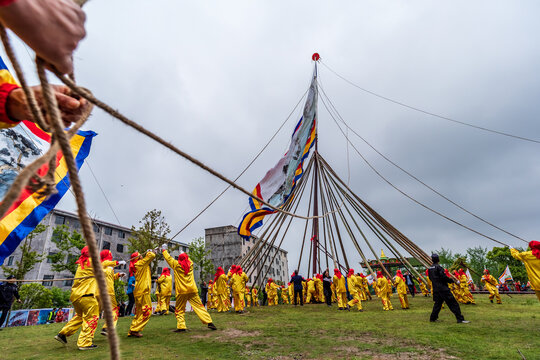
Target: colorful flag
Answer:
[[469, 277], [279, 182], [19, 146], [506, 275]]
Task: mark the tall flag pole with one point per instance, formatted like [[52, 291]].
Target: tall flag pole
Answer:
[[280, 181], [315, 234]]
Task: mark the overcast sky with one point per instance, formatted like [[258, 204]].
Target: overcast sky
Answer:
[[218, 78]]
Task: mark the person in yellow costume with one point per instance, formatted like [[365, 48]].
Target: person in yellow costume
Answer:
[[365, 287], [423, 287], [238, 282], [458, 291], [290, 289], [304, 289], [247, 296], [382, 287], [341, 290], [85, 303], [352, 284], [140, 268], [220, 289], [186, 290], [360, 287], [319, 288], [310, 297], [464, 285], [333, 288], [164, 282], [212, 295], [401, 288], [490, 283], [106, 257], [531, 260], [255, 296], [284, 295], [271, 292]]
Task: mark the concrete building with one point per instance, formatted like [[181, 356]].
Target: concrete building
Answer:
[[109, 236], [227, 247]]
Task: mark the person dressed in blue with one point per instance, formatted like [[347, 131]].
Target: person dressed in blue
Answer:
[[131, 297], [8, 292], [297, 281]]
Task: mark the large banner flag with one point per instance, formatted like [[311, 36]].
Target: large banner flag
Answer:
[[279, 182], [469, 277], [19, 146], [506, 275]]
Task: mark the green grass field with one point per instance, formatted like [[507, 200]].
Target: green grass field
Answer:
[[313, 332]]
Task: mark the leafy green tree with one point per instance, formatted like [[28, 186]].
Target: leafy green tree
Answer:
[[446, 258], [29, 258], [151, 234], [120, 290], [34, 296], [69, 246], [201, 258], [60, 298], [501, 256]]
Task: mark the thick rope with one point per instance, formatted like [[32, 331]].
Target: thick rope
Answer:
[[88, 96], [86, 224], [46, 280]]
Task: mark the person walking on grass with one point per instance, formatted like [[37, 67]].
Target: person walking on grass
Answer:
[[186, 290], [441, 292], [531, 260], [8, 293]]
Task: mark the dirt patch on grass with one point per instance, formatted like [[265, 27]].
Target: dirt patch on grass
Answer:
[[420, 353]]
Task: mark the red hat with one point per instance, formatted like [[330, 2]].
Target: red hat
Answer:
[[486, 271], [219, 272], [132, 261], [183, 260], [379, 274], [105, 255], [84, 259], [351, 272], [535, 248], [337, 273], [166, 272], [398, 273], [270, 280]]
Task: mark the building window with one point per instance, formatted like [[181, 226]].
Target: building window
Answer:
[[51, 253], [121, 234], [106, 245], [10, 261], [75, 223], [108, 231], [119, 248], [96, 229], [159, 270], [47, 277], [71, 258], [60, 220], [68, 282]]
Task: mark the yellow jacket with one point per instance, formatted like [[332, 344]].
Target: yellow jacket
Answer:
[[310, 286], [110, 276], [165, 285], [87, 286], [254, 293], [291, 291], [401, 287], [271, 289], [184, 283], [532, 265], [143, 278], [489, 282], [221, 285], [284, 292], [382, 286], [351, 283], [339, 284], [238, 282]]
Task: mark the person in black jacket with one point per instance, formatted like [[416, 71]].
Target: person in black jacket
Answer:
[[204, 292], [8, 291], [327, 287], [297, 281], [441, 292]]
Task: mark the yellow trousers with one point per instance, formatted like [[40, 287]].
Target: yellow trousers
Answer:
[[222, 303], [143, 311], [248, 299], [356, 301], [239, 302], [310, 294], [115, 309], [273, 300], [387, 305], [342, 299], [86, 317], [163, 304], [494, 293], [404, 301], [196, 304], [285, 299], [255, 300]]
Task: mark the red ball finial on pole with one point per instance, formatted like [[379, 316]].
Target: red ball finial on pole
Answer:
[[315, 57]]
